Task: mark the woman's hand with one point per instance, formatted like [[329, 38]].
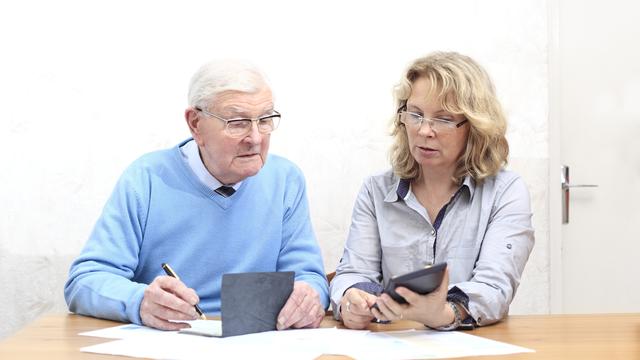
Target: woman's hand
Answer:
[[430, 309], [355, 308]]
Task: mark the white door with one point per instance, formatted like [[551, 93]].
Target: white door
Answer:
[[595, 130]]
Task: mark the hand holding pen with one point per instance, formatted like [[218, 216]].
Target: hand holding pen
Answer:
[[168, 298], [172, 273]]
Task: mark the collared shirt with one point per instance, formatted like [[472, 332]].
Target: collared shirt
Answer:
[[485, 237], [191, 155]]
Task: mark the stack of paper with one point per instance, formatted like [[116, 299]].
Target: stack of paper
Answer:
[[139, 341]]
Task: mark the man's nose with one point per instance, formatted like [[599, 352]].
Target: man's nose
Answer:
[[254, 136]]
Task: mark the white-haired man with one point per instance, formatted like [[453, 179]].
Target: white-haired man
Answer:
[[216, 203]]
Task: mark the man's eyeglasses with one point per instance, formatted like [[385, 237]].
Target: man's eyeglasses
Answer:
[[414, 121], [239, 127]]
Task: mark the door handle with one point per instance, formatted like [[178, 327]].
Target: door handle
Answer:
[[568, 186], [566, 195]]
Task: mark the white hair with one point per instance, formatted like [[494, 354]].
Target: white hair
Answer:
[[224, 75]]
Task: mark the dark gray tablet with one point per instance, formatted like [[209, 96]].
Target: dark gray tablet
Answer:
[[251, 302], [422, 281]]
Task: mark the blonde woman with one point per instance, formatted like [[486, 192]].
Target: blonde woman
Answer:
[[447, 199]]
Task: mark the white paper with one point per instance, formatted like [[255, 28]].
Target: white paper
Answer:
[[448, 344], [202, 327], [183, 346], [139, 341]]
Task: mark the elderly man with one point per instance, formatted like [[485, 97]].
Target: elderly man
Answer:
[[214, 204]]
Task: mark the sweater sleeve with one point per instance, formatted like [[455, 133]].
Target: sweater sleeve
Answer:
[[99, 282], [299, 251]]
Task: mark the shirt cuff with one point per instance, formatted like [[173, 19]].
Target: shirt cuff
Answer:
[[369, 287], [459, 297]]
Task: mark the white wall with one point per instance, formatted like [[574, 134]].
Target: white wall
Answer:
[[87, 87]]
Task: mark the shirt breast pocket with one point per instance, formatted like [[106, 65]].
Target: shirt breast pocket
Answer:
[[397, 260]]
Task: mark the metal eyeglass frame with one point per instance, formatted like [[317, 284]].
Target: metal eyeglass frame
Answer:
[[446, 123], [275, 117]]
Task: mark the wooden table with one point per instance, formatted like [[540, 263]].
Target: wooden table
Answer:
[[552, 336]]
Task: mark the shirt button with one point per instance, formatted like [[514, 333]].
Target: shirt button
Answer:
[[433, 233]]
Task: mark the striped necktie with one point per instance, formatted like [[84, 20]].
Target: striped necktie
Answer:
[[225, 191]]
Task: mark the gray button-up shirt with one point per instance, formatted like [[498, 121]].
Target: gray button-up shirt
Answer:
[[485, 237]]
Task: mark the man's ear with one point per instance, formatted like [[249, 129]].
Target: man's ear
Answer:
[[193, 122]]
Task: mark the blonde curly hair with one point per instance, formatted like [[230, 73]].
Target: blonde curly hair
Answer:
[[462, 87]]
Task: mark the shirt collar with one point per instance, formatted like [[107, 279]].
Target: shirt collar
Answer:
[[470, 184], [191, 155], [400, 189]]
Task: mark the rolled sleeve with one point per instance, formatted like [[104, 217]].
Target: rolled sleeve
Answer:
[[507, 243], [362, 253]]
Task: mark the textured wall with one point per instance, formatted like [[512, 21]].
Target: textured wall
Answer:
[[87, 88]]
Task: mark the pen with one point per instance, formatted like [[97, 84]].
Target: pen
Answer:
[[172, 273]]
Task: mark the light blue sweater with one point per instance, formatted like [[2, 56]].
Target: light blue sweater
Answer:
[[160, 212]]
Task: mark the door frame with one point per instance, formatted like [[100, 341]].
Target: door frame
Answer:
[[555, 162]]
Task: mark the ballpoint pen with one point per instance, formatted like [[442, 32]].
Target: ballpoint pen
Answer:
[[172, 273]]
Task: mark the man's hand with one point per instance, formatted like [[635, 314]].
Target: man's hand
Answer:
[[303, 309], [168, 298], [430, 309], [355, 308]]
